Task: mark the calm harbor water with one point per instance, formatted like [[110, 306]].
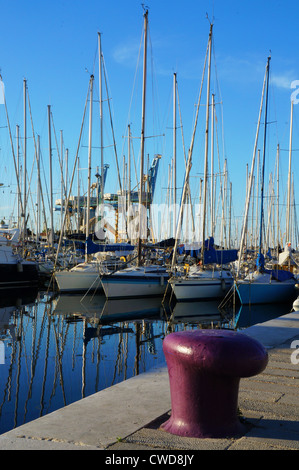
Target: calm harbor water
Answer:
[[55, 350]]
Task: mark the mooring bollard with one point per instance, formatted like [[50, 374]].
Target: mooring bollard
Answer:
[[205, 367]]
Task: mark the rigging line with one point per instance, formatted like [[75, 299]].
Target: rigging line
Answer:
[[28, 178], [71, 181], [12, 147], [59, 156], [274, 107], [111, 123], [134, 82], [220, 95], [35, 149], [95, 58], [155, 95]]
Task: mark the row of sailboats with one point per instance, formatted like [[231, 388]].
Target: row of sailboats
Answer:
[[143, 280], [210, 277], [131, 281], [127, 273]]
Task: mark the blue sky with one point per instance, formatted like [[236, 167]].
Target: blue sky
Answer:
[[53, 45]]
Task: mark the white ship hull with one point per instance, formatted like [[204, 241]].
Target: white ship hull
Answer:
[[79, 279], [206, 284], [135, 282]]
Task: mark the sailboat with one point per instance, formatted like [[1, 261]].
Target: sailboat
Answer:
[[141, 280], [263, 285], [205, 280], [84, 275], [14, 270], [102, 258]]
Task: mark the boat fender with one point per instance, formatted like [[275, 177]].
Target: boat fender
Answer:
[[162, 280], [223, 284], [186, 268], [296, 304]]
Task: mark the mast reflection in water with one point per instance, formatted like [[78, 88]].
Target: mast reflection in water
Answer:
[[59, 350]]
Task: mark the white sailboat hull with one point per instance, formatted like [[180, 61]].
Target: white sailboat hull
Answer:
[[135, 283], [78, 280], [204, 286]]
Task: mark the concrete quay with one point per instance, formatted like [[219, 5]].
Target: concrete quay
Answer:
[[127, 416]]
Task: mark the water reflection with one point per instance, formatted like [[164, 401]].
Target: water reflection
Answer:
[[203, 313], [61, 349], [248, 315]]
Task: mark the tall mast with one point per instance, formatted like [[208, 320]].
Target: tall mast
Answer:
[[174, 154], [289, 179], [38, 191], [101, 120], [186, 187], [248, 193], [25, 159], [18, 174], [129, 181], [78, 195], [277, 204], [50, 166], [263, 162], [66, 185], [142, 135], [62, 192], [206, 145], [212, 167], [89, 161]]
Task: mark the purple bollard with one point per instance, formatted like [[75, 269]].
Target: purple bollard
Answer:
[[205, 367]]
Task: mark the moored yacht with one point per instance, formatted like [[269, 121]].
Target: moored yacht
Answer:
[[267, 286], [135, 281], [201, 283], [14, 270], [87, 276]]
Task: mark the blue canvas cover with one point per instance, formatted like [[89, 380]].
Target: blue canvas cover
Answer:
[[211, 255], [95, 248]]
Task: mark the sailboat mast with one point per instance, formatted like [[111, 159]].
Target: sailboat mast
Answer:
[[51, 186], [263, 161], [174, 154], [142, 135], [249, 188], [186, 187], [101, 119], [25, 160], [89, 159], [129, 183], [289, 178], [212, 167], [38, 191], [206, 145], [277, 204], [18, 173], [62, 189]]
